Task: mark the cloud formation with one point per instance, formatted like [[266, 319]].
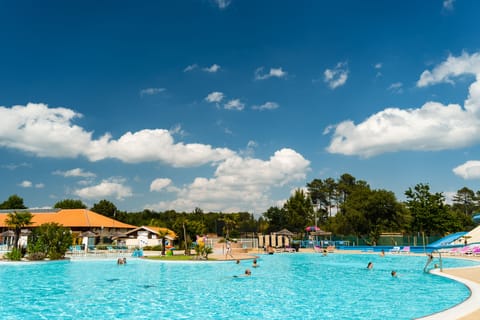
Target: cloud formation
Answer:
[[151, 91], [337, 76], [160, 184], [105, 189], [222, 4], [273, 73], [50, 132], [433, 126], [238, 181], [77, 172], [212, 69], [468, 170], [234, 104], [214, 97], [266, 106]]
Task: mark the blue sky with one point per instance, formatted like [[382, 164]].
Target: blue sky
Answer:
[[231, 105]]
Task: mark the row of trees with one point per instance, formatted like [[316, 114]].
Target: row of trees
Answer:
[[345, 206]]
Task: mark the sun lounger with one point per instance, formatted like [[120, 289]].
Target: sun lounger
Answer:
[[405, 249], [395, 250], [467, 250], [476, 251]]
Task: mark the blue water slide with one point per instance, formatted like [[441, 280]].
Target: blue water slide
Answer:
[[445, 241]]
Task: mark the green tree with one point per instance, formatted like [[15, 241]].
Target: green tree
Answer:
[[428, 210], [49, 240], [106, 208], [13, 202], [465, 201], [17, 221], [299, 211], [70, 204], [277, 219]]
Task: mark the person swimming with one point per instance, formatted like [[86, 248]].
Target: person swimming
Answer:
[[370, 265], [254, 263]]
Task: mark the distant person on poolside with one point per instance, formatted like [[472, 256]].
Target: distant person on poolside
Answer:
[[228, 251], [254, 265], [370, 265]]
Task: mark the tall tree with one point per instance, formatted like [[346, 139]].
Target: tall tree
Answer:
[[428, 210], [464, 200], [17, 221], [70, 204], [299, 211], [13, 202], [106, 208]]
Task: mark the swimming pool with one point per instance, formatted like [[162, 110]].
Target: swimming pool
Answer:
[[285, 286]]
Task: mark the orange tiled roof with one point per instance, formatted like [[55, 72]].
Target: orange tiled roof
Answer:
[[73, 218]]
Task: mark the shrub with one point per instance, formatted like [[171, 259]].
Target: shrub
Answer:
[[14, 255]]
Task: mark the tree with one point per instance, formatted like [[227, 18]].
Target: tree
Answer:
[[464, 200], [277, 219], [299, 211], [70, 204], [106, 208], [428, 210], [17, 221], [49, 240], [13, 202]]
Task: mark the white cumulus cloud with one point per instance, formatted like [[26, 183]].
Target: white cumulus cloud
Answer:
[[240, 183], [337, 76], [77, 172], [212, 69], [267, 106], [159, 184], [234, 104], [25, 184], [274, 72], [433, 126], [49, 132], [105, 189], [215, 97], [468, 170]]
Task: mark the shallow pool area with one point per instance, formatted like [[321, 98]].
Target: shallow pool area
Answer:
[[284, 286]]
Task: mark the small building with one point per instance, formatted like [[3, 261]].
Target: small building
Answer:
[[148, 236]]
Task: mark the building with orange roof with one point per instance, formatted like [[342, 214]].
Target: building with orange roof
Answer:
[[82, 222]]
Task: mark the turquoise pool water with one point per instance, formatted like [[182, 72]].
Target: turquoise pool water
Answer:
[[284, 286]]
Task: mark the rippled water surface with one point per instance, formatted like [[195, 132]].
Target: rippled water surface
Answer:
[[284, 286]]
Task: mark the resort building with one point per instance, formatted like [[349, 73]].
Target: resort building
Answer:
[[147, 236], [88, 228]]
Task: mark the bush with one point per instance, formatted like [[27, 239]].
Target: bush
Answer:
[[14, 255]]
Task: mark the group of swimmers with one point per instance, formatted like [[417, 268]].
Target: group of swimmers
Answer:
[[248, 272], [122, 260]]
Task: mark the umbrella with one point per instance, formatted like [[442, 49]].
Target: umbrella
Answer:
[[88, 234], [8, 233], [285, 232], [312, 228]]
